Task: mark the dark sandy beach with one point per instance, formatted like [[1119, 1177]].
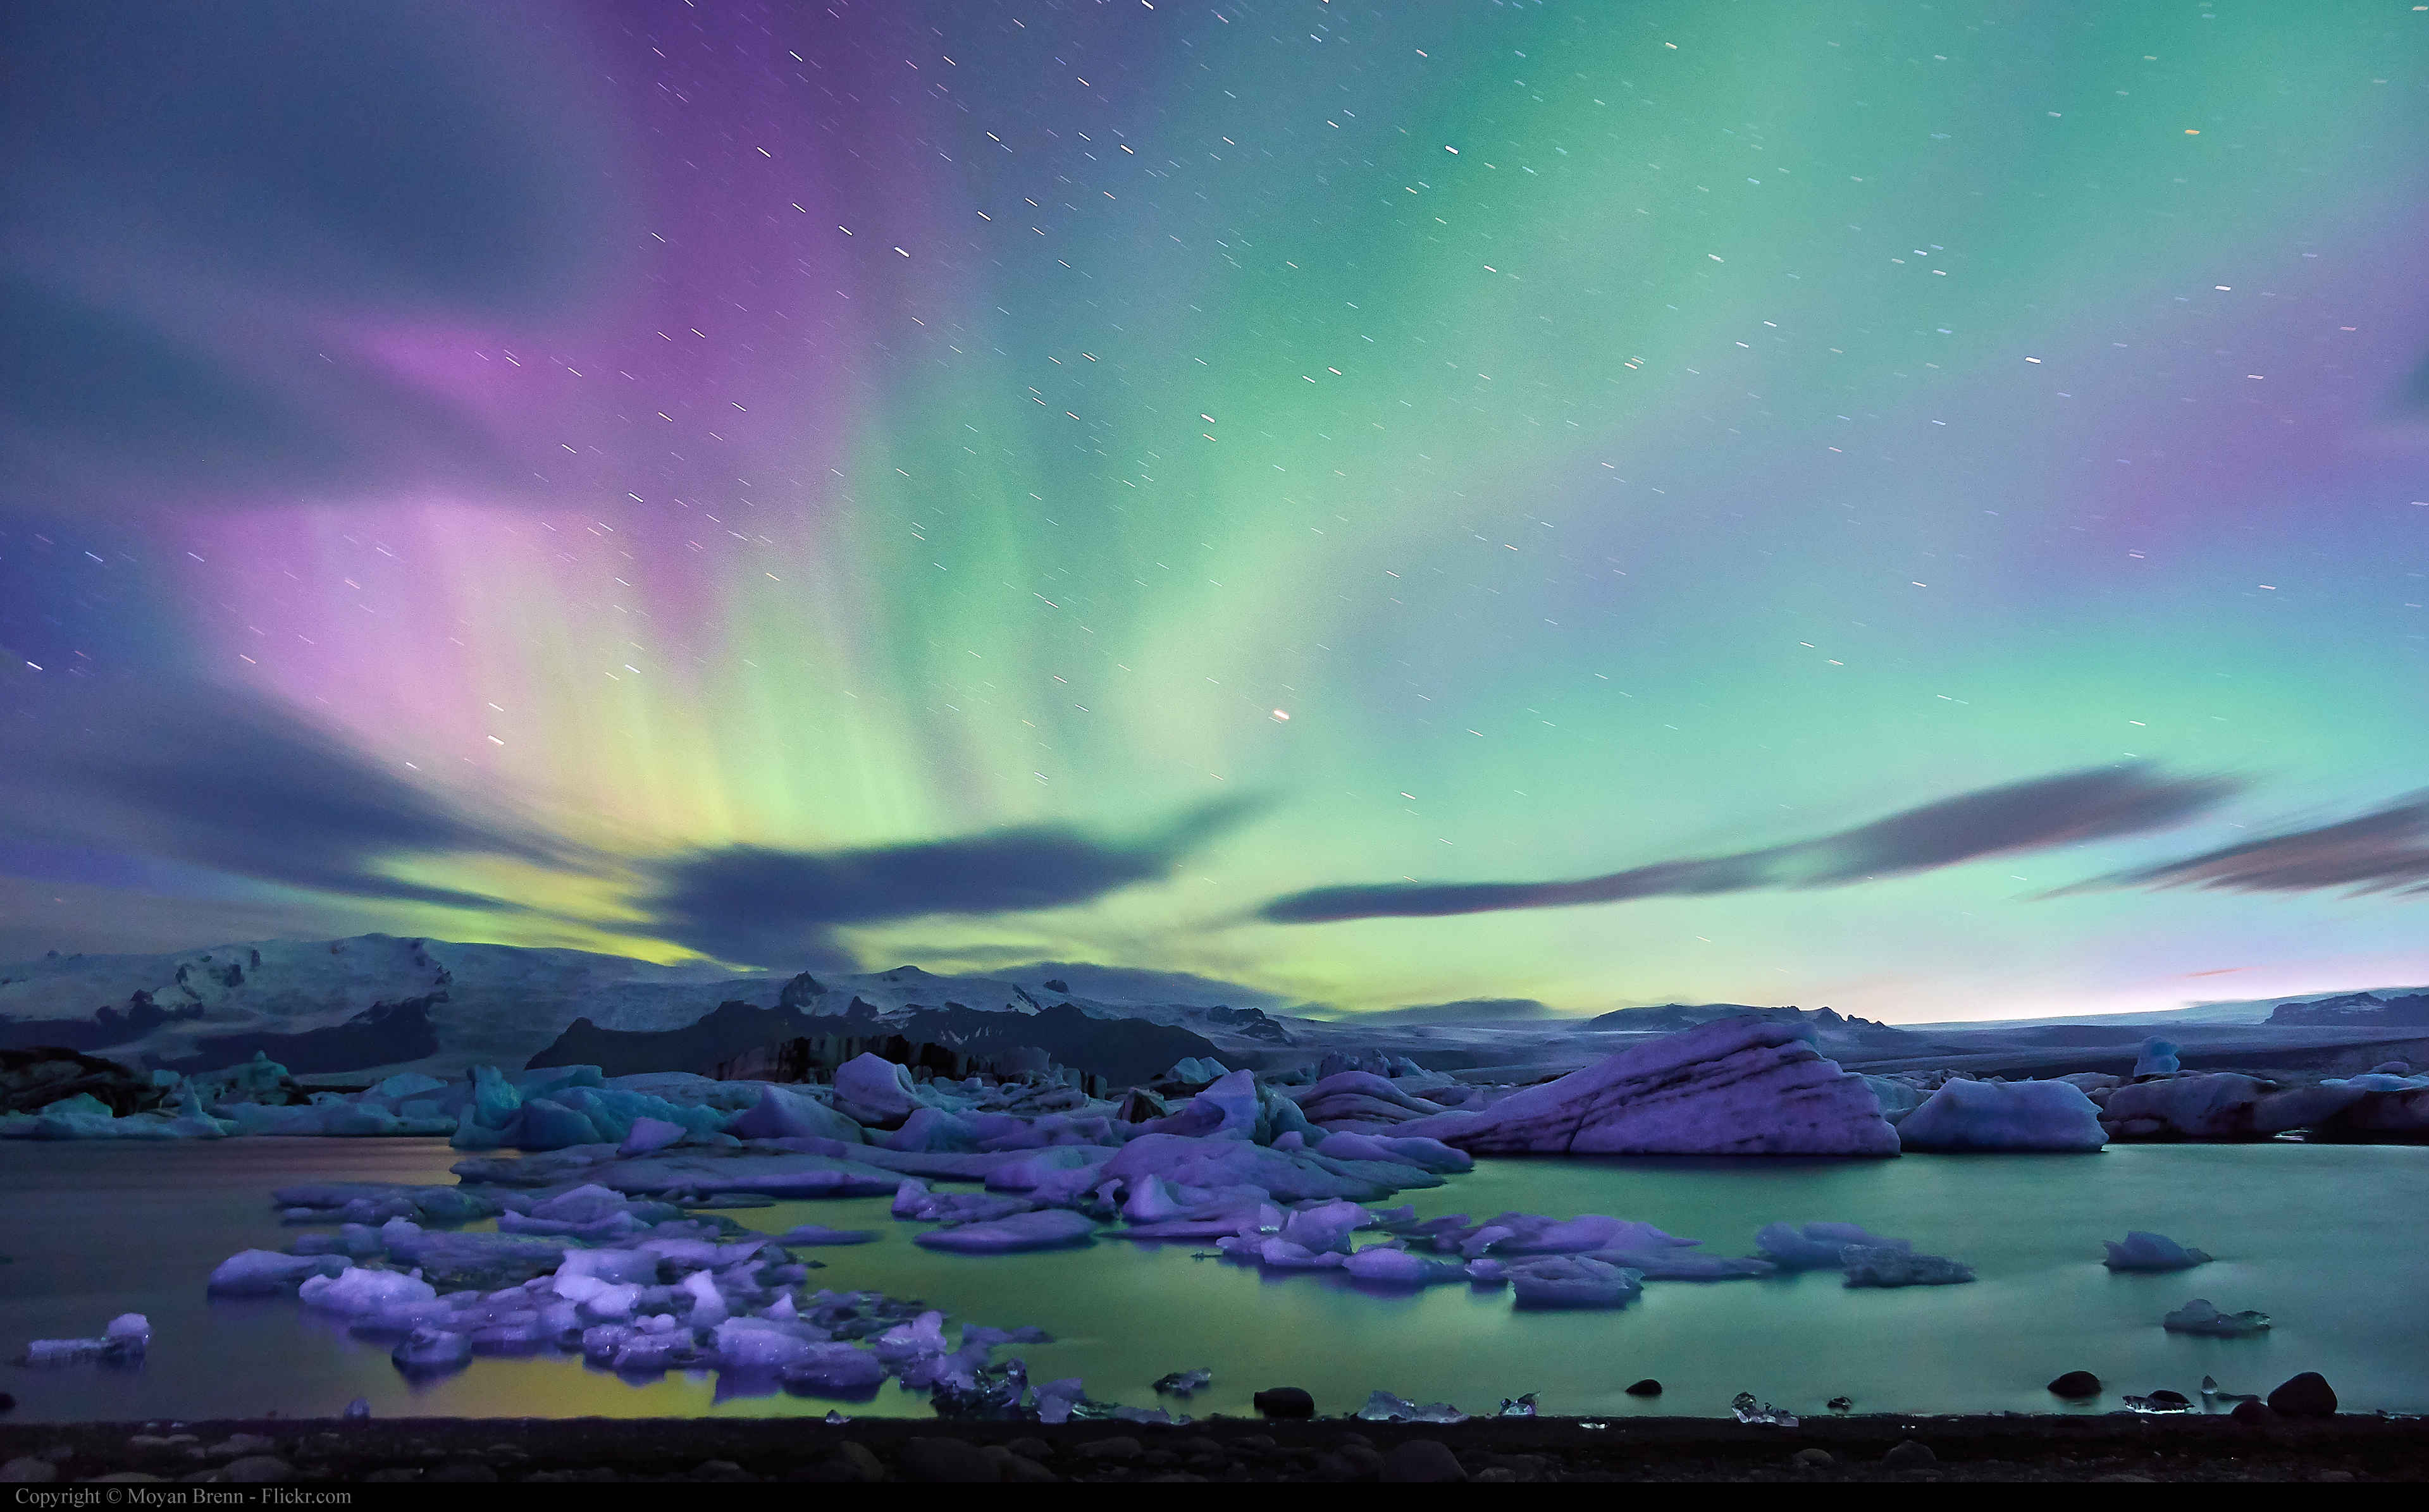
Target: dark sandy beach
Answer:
[[1995, 1448]]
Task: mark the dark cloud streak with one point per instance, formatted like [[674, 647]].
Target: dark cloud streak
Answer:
[[225, 781], [2385, 850], [750, 904], [2096, 804]]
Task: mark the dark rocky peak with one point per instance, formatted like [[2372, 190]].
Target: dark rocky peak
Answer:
[[800, 992]]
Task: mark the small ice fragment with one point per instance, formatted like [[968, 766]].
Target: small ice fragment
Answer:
[[1518, 1406], [1765, 1416], [1183, 1382], [358, 1409]]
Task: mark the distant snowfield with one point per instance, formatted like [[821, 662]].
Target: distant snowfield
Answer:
[[500, 1005]]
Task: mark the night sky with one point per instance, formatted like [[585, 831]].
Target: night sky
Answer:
[[1922, 508]]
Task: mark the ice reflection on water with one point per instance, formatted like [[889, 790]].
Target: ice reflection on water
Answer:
[[2327, 1240]]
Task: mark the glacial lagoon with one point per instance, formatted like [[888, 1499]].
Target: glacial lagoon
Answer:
[[2315, 1235]]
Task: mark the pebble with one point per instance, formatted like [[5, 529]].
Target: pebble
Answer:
[[1285, 1402], [950, 1461], [2254, 1414], [1811, 1459], [7, 1402], [262, 1470], [1648, 1387], [27, 1471], [849, 1463], [1913, 1454], [242, 1443], [1119, 1447], [723, 1469], [462, 1469], [1421, 1462], [2075, 1386]]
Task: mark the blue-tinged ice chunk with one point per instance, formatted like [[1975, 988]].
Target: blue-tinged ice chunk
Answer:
[[2159, 1058], [2144, 1250], [1818, 1246], [1898, 1268], [2004, 1115]]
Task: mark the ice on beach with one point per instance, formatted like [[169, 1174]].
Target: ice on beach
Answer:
[[1818, 1246], [1900, 1268], [2004, 1115], [1051, 1228], [913, 1202], [1183, 1383], [2199, 1317], [2142, 1251], [1384, 1407]]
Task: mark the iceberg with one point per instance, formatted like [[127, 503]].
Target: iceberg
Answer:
[[2144, 1250], [2004, 1115], [2199, 1317], [1736, 1086]]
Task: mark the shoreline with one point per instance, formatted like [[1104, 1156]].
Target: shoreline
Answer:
[[1999, 1447]]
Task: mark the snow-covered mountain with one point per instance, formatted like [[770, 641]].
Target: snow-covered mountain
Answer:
[[375, 1003]]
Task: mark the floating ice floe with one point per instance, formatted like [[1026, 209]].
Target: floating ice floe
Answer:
[[1900, 1268], [1050, 1228], [2199, 1317], [2141, 1250], [1818, 1246], [2003, 1116], [124, 1341]]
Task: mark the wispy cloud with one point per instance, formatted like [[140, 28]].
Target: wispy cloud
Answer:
[[225, 781], [750, 904], [2385, 850], [2066, 809]]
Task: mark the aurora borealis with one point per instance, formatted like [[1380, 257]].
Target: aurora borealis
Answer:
[[1050, 480]]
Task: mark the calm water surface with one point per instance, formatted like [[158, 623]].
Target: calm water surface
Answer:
[[2327, 1240]]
